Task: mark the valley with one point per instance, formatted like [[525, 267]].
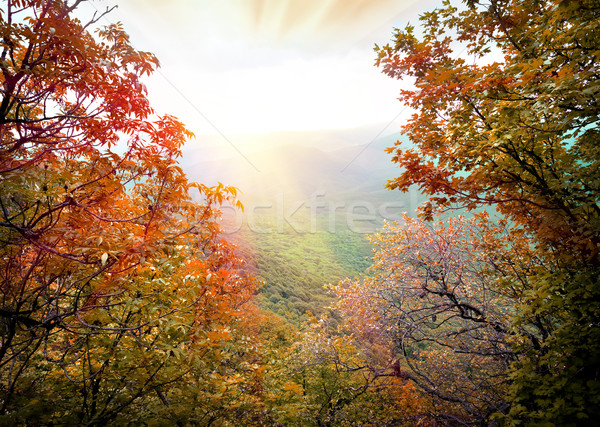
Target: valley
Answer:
[[307, 213]]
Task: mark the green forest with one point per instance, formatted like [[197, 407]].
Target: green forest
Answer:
[[465, 292]]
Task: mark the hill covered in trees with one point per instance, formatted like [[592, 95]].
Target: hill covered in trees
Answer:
[[307, 214]]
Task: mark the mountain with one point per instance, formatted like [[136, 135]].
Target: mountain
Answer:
[[298, 172], [308, 209]]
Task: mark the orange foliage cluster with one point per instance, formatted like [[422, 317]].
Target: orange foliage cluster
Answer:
[[108, 265]]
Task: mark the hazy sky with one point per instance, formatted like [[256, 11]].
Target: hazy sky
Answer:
[[251, 66]]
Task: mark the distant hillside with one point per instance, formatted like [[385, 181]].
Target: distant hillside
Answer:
[[307, 213], [212, 147], [351, 173]]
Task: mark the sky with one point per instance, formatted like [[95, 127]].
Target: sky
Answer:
[[249, 75], [233, 67]]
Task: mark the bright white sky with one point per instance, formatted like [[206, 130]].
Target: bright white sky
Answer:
[[256, 66]]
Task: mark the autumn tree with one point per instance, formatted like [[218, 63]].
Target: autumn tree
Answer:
[[346, 380], [114, 283], [505, 104], [437, 295]]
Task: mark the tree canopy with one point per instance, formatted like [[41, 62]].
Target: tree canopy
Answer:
[[114, 282], [505, 104], [120, 303]]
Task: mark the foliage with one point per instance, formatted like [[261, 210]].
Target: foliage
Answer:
[[344, 384], [114, 283], [435, 295], [296, 267], [506, 114]]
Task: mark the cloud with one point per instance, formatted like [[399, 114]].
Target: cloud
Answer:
[[321, 23], [307, 25], [268, 65]]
